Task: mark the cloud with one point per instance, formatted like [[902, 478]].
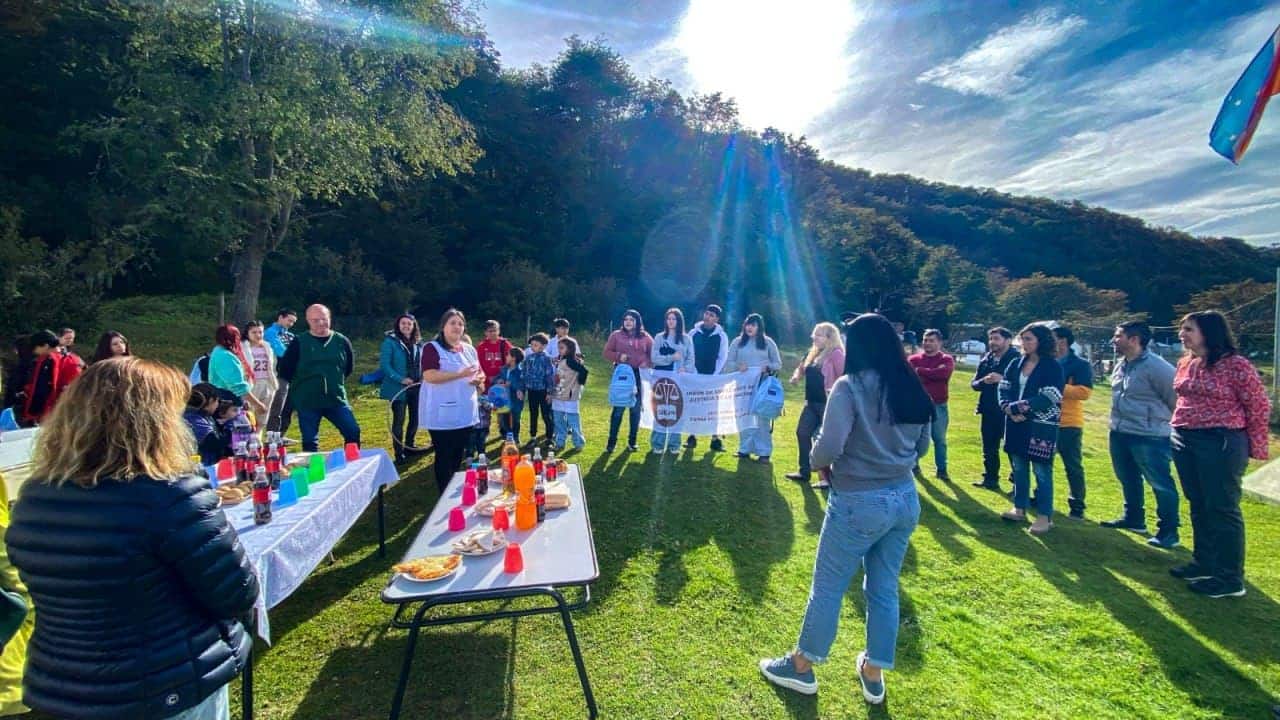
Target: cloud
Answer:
[[991, 69]]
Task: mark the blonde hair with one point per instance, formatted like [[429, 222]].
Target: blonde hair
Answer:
[[121, 419], [829, 340]]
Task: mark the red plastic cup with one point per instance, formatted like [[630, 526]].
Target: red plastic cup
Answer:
[[457, 520], [514, 560], [470, 478], [351, 451], [500, 521], [469, 494], [226, 469]]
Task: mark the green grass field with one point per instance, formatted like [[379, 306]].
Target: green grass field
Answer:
[[705, 564]]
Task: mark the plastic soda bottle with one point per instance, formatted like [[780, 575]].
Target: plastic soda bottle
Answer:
[[526, 512]]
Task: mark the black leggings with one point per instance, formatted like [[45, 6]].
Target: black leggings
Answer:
[[406, 404], [450, 447]]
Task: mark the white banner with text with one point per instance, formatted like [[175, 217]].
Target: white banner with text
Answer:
[[698, 404]]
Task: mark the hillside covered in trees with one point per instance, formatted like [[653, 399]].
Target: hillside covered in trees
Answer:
[[379, 157]]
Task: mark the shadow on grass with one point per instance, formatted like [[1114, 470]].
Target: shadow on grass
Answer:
[[1090, 571], [455, 674], [672, 505]]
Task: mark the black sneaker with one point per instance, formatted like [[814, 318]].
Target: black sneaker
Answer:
[[1167, 541], [1217, 588], [744, 456], [717, 444], [691, 443], [1189, 572], [1125, 524], [944, 477], [1076, 514], [797, 476], [915, 472], [633, 447], [986, 485], [609, 448], [763, 458]]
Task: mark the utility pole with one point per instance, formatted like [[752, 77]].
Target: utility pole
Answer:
[[1275, 346]]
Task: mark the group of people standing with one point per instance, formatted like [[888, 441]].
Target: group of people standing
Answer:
[[46, 365], [1210, 414]]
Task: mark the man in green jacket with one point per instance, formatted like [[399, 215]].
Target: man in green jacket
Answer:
[[316, 366]]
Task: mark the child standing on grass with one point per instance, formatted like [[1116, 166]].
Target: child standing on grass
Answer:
[[571, 375], [538, 375], [512, 378]]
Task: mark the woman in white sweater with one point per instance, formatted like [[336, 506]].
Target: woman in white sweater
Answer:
[[754, 349], [672, 352]]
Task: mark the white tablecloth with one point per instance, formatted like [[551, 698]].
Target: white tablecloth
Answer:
[[290, 547], [16, 447]]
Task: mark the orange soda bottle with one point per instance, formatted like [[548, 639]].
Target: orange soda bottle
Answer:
[[526, 510]]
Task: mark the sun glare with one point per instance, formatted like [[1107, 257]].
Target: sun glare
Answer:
[[784, 63]]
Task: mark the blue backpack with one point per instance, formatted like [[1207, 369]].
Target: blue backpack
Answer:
[[767, 400], [500, 398], [622, 386]]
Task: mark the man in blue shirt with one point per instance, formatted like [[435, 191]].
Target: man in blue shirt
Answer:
[[279, 337]]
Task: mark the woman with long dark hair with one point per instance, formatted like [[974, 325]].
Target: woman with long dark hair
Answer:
[[672, 352], [1031, 398], [400, 360], [875, 425], [110, 344], [628, 345], [230, 370], [448, 404], [1220, 422], [754, 349]]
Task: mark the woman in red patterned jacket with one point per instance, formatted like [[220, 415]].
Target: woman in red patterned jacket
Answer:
[[1220, 422]]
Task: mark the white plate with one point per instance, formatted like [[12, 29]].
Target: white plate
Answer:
[[413, 579]]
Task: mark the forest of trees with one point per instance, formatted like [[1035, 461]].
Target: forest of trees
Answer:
[[378, 156]]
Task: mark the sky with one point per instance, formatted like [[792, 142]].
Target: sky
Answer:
[[1105, 101]]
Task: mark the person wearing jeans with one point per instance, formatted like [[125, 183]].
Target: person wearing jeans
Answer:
[[935, 369], [1078, 378], [754, 349], [1142, 402], [1031, 397], [629, 344], [672, 352], [874, 427], [571, 375], [316, 366], [1220, 421]]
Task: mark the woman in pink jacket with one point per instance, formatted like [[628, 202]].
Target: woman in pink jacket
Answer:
[[629, 345], [822, 366]]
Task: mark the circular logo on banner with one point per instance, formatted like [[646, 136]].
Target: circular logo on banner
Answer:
[[667, 401]]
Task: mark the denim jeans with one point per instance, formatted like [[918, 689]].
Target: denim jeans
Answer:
[[215, 707], [568, 424], [757, 440], [938, 434], [1071, 448], [341, 417], [871, 529], [665, 441], [615, 422], [1134, 457], [1022, 469], [1211, 465]]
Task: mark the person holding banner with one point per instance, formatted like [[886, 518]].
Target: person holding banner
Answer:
[[754, 349], [875, 426], [822, 366], [628, 345], [711, 348], [672, 352]]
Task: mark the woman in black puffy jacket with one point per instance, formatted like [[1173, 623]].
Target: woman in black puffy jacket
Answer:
[[137, 579]]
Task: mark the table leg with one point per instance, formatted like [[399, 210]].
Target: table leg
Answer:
[[246, 682], [577, 654], [414, 628], [382, 525]]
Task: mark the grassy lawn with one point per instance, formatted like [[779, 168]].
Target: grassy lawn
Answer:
[[705, 566]]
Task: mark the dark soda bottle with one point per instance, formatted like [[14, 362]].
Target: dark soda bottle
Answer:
[[261, 498], [482, 475], [273, 472], [242, 463], [537, 462], [550, 466], [540, 499]]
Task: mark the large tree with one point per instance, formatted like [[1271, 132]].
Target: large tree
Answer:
[[232, 114]]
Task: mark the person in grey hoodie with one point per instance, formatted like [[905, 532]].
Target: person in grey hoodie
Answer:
[[672, 352], [875, 426], [1142, 402], [754, 349]]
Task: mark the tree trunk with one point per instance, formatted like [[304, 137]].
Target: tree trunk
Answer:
[[247, 270]]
